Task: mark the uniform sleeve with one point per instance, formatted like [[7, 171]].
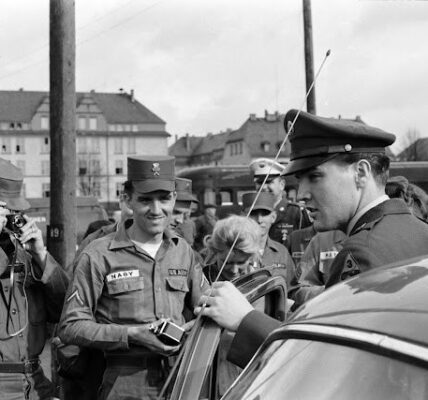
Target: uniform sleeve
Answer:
[[251, 333], [198, 283], [54, 282], [78, 325]]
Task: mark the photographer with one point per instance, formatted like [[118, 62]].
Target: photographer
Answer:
[[32, 292]]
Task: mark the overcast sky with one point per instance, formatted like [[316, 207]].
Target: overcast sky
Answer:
[[204, 66]]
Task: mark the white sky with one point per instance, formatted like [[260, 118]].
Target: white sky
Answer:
[[204, 66]]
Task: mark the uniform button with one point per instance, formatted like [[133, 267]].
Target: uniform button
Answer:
[[21, 335], [14, 311], [6, 288]]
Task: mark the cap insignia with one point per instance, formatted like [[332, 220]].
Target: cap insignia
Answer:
[[348, 147], [156, 169]]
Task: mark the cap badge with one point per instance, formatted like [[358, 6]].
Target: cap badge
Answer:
[[348, 147], [156, 169]]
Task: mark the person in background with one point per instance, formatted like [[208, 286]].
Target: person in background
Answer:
[[204, 225], [129, 283], [289, 216], [342, 171], [33, 287], [180, 221], [273, 255], [298, 242]]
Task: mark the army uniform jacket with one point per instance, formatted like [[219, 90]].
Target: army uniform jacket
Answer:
[[277, 259], [385, 234], [117, 285], [298, 242], [37, 299], [289, 217]]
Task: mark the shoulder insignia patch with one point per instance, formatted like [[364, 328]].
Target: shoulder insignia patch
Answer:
[[350, 267], [75, 295]]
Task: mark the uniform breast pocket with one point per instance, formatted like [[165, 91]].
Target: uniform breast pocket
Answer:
[[177, 290], [127, 298]]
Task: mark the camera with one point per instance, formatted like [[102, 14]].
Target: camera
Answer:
[[168, 332], [15, 221]]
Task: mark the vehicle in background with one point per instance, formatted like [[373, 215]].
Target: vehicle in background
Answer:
[[364, 338], [88, 210], [224, 185]]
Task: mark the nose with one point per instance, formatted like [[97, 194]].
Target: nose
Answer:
[[156, 208]]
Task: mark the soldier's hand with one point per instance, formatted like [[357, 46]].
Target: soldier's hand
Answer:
[[226, 305], [32, 239], [142, 336]]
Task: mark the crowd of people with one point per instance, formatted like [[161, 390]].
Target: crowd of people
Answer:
[[159, 266]]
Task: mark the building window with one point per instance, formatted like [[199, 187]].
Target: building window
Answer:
[[20, 145], [96, 189], [82, 145], [21, 165], [95, 167], [46, 167], [83, 167], [240, 148], [131, 145], [119, 189], [5, 145], [44, 122], [118, 146], [93, 123], [23, 190], [45, 145], [46, 190], [231, 149], [95, 145], [119, 167], [112, 128], [82, 123], [134, 128], [265, 146], [119, 128], [12, 125]]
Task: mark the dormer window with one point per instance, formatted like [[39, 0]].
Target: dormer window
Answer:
[[265, 146]]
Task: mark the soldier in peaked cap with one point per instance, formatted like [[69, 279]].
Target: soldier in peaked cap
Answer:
[[129, 282], [273, 255], [32, 289], [180, 221], [289, 216], [342, 170]]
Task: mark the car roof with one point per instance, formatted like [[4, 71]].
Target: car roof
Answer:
[[389, 300]]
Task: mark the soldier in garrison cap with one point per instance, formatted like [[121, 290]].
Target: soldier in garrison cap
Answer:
[[289, 216], [128, 283], [273, 255], [342, 170], [33, 287], [180, 221]]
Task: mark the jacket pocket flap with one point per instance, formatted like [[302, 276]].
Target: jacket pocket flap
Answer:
[[175, 283], [125, 285]]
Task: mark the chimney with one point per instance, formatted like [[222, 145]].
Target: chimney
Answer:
[[131, 96], [176, 137], [253, 117], [266, 114], [187, 142]]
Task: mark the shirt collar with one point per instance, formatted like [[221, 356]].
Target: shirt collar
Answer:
[[363, 210]]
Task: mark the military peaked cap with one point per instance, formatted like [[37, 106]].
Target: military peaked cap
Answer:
[[183, 187], [265, 201], [315, 140], [151, 173], [264, 166]]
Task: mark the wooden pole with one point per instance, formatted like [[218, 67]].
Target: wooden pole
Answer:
[[309, 57], [62, 227]]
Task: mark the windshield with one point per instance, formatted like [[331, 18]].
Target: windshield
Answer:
[[304, 369]]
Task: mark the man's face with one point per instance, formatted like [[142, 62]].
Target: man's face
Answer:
[[273, 185], [210, 212], [178, 215], [152, 211], [238, 264], [264, 218], [331, 192]]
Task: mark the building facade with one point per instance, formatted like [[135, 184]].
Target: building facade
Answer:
[[109, 128]]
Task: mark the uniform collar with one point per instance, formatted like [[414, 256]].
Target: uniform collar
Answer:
[[122, 240], [363, 210], [272, 245]]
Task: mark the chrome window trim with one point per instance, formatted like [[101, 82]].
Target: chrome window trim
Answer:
[[376, 339]]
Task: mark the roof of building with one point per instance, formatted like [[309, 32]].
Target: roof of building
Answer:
[[212, 143], [417, 151], [21, 106], [184, 146]]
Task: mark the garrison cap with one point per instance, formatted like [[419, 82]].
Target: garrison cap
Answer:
[[265, 201], [264, 166], [151, 173], [11, 185], [183, 187], [315, 140]]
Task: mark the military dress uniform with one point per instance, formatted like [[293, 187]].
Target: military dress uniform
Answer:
[[31, 296], [118, 285], [382, 232], [298, 242]]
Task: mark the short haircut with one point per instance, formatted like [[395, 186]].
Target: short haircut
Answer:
[[128, 188], [379, 163]]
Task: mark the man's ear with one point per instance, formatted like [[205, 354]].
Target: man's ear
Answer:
[[363, 171], [273, 216]]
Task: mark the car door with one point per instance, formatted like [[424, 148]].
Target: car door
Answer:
[[197, 376]]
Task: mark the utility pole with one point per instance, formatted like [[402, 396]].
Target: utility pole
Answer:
[[309, 56], [62, 228]]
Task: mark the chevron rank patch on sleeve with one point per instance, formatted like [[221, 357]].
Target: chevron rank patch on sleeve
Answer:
[[75, 295]]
